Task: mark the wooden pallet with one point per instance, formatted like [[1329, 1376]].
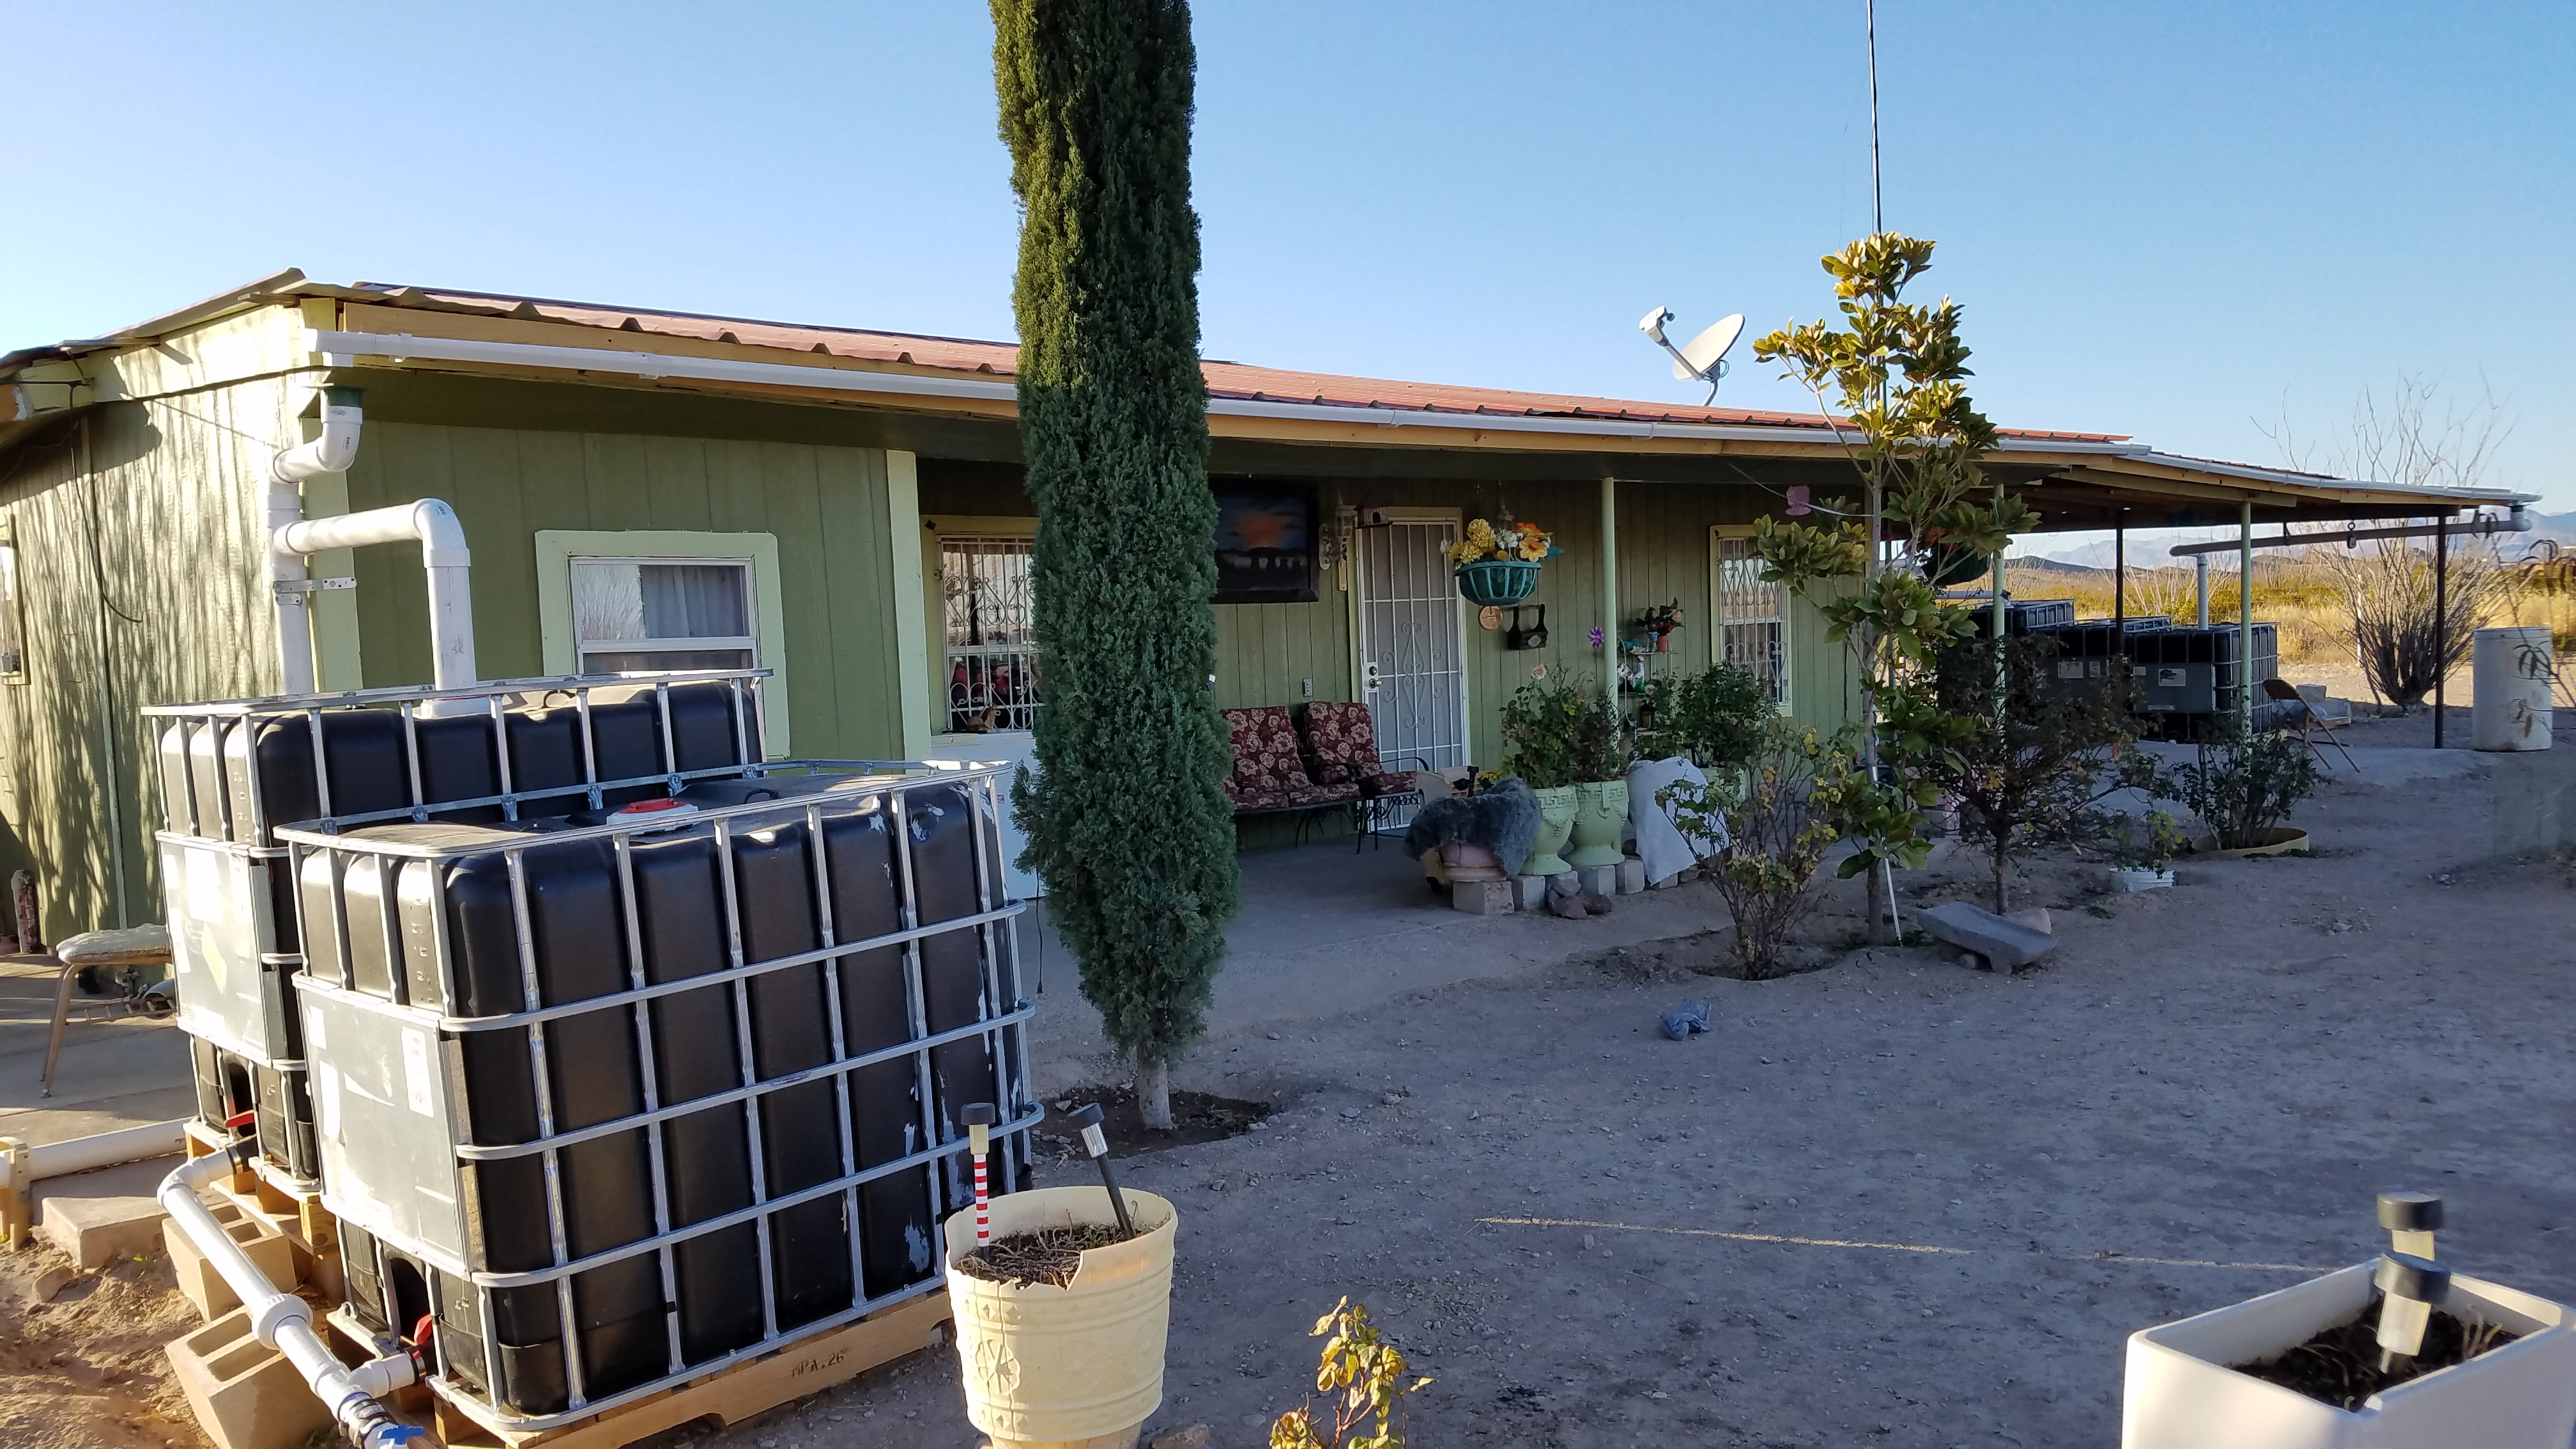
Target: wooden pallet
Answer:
[[807, 1366]]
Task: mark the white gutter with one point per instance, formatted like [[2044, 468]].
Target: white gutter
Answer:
[[2516, 522], [285, 1322]]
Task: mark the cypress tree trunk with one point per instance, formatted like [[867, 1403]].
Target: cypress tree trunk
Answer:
[[1125, 819]]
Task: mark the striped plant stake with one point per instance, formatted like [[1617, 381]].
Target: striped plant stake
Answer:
[[979, 1140]]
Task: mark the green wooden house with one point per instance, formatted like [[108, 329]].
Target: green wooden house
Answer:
[[843, 507]]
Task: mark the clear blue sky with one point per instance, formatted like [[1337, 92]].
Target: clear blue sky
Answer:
[[2178, 220]]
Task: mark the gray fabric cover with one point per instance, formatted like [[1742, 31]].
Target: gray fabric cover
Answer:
[[1504, 820]]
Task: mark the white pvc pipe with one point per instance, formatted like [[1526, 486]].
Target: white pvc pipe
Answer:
[[285, 1322], [107, 1149], [443, 555]]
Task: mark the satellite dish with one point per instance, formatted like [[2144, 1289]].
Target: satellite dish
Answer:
[[1704, 358]]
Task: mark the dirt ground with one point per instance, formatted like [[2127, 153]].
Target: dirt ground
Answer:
[[80, 1355], [1889, 1202]]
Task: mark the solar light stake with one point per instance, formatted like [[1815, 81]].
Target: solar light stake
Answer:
[[1096, 1142], [2410, 1218], [2409, 1287], [979, 1140]]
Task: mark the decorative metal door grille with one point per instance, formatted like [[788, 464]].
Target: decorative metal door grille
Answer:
[[1412, 666], [990, 633], [1752, 616]]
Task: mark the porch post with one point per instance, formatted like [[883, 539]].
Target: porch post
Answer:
[[2441, 616], [2120, 584], [1610, 590], [2200, 587], [2245, 615]]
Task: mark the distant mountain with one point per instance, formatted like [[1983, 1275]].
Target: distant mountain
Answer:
[[2150, 551], [2043, 564]]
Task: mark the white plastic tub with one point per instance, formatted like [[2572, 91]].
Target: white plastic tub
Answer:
[[2181, 1394], [1079, 1365]]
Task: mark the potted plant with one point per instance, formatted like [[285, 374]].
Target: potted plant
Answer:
[[1498, 563], [1075, 1361], [2313, 1367], [2142, 852], [1543, 724], [1601, 758], [1659, 622], [1716, 716], [2242, 788]]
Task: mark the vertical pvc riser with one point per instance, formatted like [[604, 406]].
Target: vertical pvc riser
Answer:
[[643, 1022], [821, 856], [916, 1006], [741, 989]]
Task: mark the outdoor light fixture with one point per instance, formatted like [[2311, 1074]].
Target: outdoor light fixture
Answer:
[[2410, 1218], [1096, 1142], [978, 1117], [2409, 1287]]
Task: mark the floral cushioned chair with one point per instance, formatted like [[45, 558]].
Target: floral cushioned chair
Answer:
[[1343, 746], [1270, 771]]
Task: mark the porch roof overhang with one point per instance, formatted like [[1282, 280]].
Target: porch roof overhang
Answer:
[[958, 397]]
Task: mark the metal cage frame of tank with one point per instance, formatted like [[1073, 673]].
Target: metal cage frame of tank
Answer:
[[998, 960], [239, 1026]]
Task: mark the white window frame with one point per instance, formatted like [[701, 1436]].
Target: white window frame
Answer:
[[13, 588], [1718, 537], [557, 548]]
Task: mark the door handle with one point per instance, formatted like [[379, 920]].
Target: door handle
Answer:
[[1369, 680]]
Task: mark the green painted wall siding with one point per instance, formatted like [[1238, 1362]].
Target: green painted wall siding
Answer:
[[826, 506], [139, 575]]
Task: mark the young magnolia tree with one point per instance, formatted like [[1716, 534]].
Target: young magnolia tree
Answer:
[[1125, 818], [1894, 375]]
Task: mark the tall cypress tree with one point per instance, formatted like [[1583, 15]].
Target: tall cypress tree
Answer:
[[1125, 818]]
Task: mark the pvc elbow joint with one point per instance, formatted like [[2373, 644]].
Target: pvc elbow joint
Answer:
[[332, 452]]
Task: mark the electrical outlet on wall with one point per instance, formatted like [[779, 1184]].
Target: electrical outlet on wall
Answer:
[[1307, 689]]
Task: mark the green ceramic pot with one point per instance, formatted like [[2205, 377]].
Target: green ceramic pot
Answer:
[[1556, 807], [1600, 817]]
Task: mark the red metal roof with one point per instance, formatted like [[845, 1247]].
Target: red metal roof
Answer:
[[1233, 380]]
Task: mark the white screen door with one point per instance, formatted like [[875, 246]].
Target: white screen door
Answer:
[[1412, 653]]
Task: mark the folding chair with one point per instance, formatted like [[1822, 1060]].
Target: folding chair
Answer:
[[2309, 725]]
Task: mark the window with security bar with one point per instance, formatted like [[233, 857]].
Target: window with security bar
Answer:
[[1753, 624], [633, 615], [990, 636]]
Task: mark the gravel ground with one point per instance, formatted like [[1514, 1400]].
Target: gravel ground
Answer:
[[1892, 1202]]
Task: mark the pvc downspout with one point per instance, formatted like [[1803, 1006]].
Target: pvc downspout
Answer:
[[87, 1154], [285, 1322], [443, 555], [332, 452]]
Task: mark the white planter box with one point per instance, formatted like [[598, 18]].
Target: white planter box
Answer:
[[2139, 878], [2181, 1394]]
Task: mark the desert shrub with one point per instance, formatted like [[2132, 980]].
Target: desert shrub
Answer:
[[2389, 617], [1777, 822], [2242, 787]]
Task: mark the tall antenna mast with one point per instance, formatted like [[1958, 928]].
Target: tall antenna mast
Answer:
[[1870, 16]]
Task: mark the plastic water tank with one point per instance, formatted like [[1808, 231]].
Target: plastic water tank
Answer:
[[2512, 671]]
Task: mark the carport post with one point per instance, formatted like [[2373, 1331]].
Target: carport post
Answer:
[[2120, 584], [2200, 586], [2245, 615], [2441, 617], [1610, 590]]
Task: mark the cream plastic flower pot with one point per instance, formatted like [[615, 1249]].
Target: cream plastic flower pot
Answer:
[[2140, 878], [1079, 1367], [2181, 1394]]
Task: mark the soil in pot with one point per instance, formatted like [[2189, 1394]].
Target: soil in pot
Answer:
[[1049, 1255], [1196, 1117], [2340, 1366]]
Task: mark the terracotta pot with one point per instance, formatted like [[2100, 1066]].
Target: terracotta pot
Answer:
[[1469, 862], [1556, 809]]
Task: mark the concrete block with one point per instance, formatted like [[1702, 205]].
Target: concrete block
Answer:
[[2006, 945], [1481, 897], [244, 1393], [267, 1249], [1632, 876], [96, 1230], [1529, 892], [1598, 880]]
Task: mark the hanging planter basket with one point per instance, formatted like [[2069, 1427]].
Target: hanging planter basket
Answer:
[[1497, 581]]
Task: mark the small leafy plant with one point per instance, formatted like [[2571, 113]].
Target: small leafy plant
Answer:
[[2148, 844], [1363, 1378], [1777, 823], [2242, 787], [1562, 734], [1715, 716]]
